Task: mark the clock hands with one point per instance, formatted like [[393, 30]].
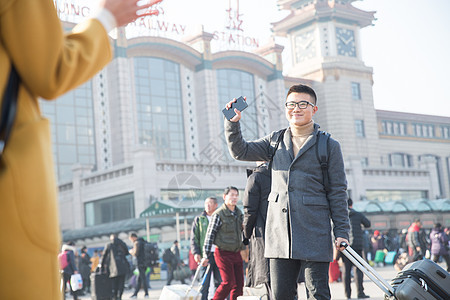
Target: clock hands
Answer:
[[306, 44], [346, 41]]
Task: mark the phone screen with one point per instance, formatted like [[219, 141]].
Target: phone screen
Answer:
[[240, 105]]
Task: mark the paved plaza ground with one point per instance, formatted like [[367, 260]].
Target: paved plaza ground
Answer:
[[337, 288]]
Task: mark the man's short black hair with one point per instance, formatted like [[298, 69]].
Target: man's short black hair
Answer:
[[350, 202], [228, 189], [301, 88], [133, 234]]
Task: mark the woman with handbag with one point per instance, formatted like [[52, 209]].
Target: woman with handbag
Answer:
[[115, 263], [48, 63], [70, 269], [439, 245]]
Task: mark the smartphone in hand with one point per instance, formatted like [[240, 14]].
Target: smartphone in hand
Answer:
[[240, 105]]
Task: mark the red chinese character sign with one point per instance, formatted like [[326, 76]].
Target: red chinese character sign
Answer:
[[177, 20], [233, 36], [159, 24]]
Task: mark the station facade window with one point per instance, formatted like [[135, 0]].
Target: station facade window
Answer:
[[111, 209], [232, 83], [159, 107], [72, 128]]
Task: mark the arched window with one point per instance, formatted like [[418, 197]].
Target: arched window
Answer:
[[159, 106], [233, 83]]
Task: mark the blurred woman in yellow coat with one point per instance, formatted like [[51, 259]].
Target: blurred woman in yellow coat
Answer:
[[49, 63]]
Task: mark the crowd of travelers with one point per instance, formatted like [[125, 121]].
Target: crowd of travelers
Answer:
[[410, 244]]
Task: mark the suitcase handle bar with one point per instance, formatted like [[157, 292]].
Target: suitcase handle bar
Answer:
[[361, 264], [206, 273], [195, 278]]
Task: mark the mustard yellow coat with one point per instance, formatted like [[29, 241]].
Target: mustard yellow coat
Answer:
[[49, 64]]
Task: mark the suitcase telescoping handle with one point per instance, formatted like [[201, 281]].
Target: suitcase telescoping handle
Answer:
[[361, 264], [195, 279]]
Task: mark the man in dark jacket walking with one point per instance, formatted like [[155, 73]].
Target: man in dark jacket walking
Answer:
[[115, 262], [357, 242], [138, 252], [176, 262], [84, 265], [255, 210]]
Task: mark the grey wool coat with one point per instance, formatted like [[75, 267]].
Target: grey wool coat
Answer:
[[300, 211]]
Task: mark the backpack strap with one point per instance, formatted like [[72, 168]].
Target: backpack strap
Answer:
[[322, 156], [9, 107], [274, 142]]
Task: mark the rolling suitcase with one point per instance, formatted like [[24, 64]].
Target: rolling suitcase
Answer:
[[425, 276], [260, 292], [183, 291], [390, 257], [421, 280], [379, 256], [101, 286]]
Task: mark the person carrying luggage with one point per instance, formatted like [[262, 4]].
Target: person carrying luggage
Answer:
[[114, 261], [302, 201], [173, 263], [70, 268], [138, 252], [198, 235], [225, 231]]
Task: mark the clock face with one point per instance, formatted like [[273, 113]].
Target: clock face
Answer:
[[345, 42], [305, 46]]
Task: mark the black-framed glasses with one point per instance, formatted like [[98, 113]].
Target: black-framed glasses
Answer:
[[302, 104]]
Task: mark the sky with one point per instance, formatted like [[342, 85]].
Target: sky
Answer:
[[408, 46], [409, 50]]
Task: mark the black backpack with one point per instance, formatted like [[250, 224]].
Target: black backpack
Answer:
[[168, 257], [151, 254], [321, 152]]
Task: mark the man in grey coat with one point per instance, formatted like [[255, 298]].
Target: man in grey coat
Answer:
[[300, 211]]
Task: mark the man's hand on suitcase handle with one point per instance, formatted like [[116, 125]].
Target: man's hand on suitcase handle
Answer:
[[204, 262], [341, 243]]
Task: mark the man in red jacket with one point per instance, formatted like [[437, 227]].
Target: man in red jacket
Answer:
[[414, 249]]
